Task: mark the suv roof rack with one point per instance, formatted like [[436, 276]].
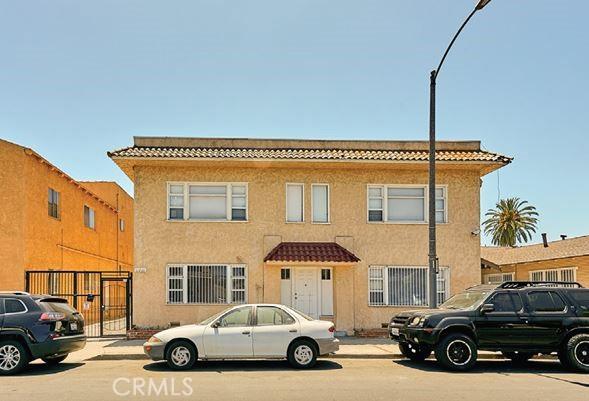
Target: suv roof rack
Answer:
[[524, 284]]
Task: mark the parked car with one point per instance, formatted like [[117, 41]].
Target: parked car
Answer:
[[260, 331], [519, 319], [37, 326]]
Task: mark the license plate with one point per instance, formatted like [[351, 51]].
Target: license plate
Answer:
[[394, 331], [74, 326]]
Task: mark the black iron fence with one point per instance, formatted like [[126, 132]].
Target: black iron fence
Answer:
[[103, 297]]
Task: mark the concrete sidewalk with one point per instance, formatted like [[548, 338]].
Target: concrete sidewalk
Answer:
[[350, 348]]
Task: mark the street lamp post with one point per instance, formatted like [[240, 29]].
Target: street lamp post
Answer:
[[433, 258]]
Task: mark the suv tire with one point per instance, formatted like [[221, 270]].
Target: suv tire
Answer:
[[577, 352], [13, 357], [181, 355], [518, 358], [302, 354], [456, 352], [54, 360], [414, 354]]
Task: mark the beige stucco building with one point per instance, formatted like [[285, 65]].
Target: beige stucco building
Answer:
[[337, 229]]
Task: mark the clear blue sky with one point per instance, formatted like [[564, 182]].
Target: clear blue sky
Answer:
[[79, 78]]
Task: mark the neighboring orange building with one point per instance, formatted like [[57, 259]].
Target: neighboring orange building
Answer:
[[49, 221], [566, 259]]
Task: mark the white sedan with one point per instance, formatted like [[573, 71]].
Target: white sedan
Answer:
[[260, 331]]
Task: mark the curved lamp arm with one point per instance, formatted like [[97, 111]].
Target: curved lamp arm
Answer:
[[479, 6]]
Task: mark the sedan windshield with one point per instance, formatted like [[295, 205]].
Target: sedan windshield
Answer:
[[465, 300]]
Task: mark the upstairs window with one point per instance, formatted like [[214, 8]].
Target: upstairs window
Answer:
[[441, 209], [404, 204], [53, 203], [89, 220], [294, 203], [320, 203], [207, 202]]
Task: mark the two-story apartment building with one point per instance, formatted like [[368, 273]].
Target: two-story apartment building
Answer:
[[336, 229], [50, 221]]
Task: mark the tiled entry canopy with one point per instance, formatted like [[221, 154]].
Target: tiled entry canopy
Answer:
[[311, 252]]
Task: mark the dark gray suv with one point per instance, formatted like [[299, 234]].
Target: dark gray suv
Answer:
[[37, 326]]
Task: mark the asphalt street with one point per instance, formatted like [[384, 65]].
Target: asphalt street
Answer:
[[341, 379]]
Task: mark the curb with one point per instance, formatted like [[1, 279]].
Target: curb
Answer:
[[483, 357]]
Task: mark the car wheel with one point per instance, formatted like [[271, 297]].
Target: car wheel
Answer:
[[577, 352], [414, 354], [456, 352], [302, 354], [518, 357], [54, 360], [13, 357], [181, 355]]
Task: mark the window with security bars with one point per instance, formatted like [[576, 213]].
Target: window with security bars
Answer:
[[498, 278], [404, 285], [567, 274], [207, 284]]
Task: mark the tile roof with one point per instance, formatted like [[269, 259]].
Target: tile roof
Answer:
[[567, 248], [306, 154], [310, 252]]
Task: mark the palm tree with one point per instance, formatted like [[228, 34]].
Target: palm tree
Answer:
[[512, 221]]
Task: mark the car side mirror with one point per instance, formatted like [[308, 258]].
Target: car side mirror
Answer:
[[486, 308], [215, 325]]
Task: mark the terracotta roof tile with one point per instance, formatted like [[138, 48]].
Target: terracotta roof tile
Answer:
[[310, 252], [567, 248], [306, 154]]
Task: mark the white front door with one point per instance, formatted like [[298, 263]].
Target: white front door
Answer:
[[305, 291]]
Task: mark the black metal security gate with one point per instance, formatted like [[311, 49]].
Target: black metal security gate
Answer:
[[104, 298]]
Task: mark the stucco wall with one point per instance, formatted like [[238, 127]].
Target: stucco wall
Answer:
[[30, 239], [12, 159], [159, 242], [522, 270]]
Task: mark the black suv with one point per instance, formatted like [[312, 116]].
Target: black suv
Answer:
[[519, 319], [37, 326]]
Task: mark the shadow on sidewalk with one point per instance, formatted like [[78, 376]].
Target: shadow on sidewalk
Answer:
[[242, 366], [40, 369], [490, 366]]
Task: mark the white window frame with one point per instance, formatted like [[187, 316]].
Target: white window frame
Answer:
[[503, 277], [313, 204], [444, 189], [384, 188], [558, 270], [446, 271], [229, 281], [228, 201], [302, 185]]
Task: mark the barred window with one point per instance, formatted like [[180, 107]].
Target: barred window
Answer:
[[566, 274], [404, 286], [498, 278], [207, 284]]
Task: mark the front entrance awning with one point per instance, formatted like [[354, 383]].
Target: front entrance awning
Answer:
[[328, 252]]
